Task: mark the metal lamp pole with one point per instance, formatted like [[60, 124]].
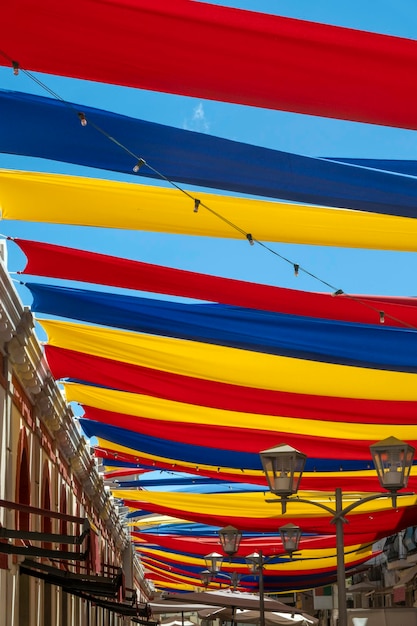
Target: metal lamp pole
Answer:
[[256, 561], [230, 539], [283, 467], [340, 558]]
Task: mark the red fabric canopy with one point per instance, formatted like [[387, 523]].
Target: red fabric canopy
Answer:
[[382, 523], [171, 566], [269, 545], [158, 383], [207, 51], [44, 259]]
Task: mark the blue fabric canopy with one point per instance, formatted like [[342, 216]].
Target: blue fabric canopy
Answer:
[[51, 129], [346, 343], [204, 487], [201, 455], [181, 482]]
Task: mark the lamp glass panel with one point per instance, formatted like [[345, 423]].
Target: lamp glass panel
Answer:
[[283, 467], [230, 539], [393, 460], [213, 562], [290, 536]]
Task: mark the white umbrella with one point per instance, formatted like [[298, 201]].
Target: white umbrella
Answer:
[[228, 598], [177, 620], [253, 617]]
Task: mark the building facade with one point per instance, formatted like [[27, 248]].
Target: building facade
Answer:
[[65, 555]]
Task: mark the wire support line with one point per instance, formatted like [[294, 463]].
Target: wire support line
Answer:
[[382, 315], [339, 292]]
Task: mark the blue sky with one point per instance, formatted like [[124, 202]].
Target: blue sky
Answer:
[[355, 271]]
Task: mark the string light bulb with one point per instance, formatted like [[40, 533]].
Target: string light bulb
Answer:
[[15, 66], [339, 292], [381, 317], [83, 119], [197, 203], [296, 269], [250, 239], [138, 165]]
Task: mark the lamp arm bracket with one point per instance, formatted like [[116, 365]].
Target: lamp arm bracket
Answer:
[[305, 501], [342, 514], [334, 512]]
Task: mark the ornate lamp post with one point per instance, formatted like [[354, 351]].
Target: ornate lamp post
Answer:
[[283, 467], [230, 539], [290, 536], [256, 563]]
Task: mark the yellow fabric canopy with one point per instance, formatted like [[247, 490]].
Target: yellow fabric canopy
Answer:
[[231, 365], [238, 504], [168, 410], [59, 199], [153, 519]]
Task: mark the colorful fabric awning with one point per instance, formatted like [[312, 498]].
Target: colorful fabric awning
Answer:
[[241, 367], [93, 202], [327, 70], [206, 453], [50, 130], [251, 512], [116, 374], [194, 391], [44, 259], [205, 544]]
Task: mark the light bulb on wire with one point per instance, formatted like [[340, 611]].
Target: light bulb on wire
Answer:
[[138, 165], [83, 119]]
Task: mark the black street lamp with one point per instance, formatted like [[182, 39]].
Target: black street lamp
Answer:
[[393, 460], [206, 577], [290, 536], [213, 562], [256, 563], [283, 467], [230, 538]]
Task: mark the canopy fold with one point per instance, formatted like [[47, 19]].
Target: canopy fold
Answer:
[[237, 327], [241, 367], [209, 455], [251, 512], [116, 374], [155, 408]]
